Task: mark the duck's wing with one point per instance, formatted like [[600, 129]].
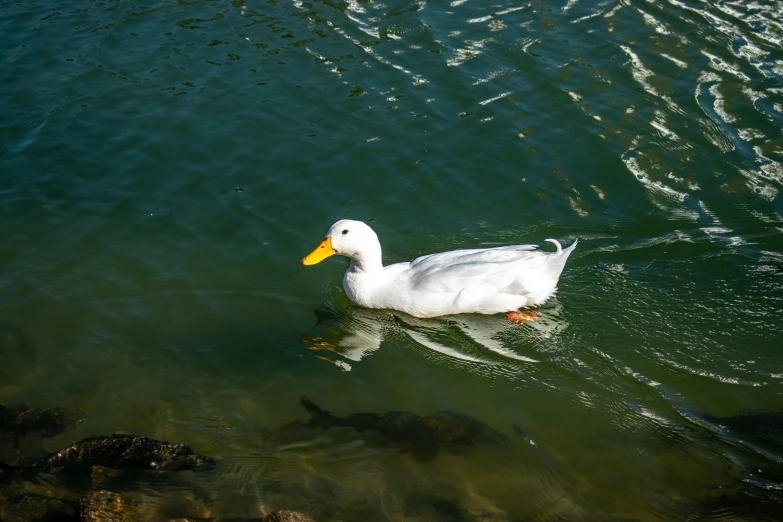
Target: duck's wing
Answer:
[[459, 269], [473, 255]]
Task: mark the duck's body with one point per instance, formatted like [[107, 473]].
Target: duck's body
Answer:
[[483, 280]]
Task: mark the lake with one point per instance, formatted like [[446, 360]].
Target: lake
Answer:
[[166, 165]]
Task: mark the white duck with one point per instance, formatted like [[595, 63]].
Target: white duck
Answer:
[[481, 280]]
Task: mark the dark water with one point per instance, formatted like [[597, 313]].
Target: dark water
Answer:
[[140, 286]]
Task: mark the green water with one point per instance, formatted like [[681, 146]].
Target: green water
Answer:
[[138, 285]]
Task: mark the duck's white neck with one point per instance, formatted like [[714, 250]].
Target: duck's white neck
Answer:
[[365, 276], [368, 261]]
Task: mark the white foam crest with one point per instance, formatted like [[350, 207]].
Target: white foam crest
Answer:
[[480, 19], [750, 134], [655, 417], [598, 192], [713, 375], [499, 96], [528, 44], [752, 95], [642, 75], [722, 65], [719, 104], [770, 170], [372, 31], [767, 219], [690, 417], [761, 18], [491, 76], [653, 22], [708, 212], [708, 77], [720, 24], [495, 15], [712, 130], [659, 123], [718, 235], [616, 9], [639, 377], [692, 185], [758, 179], [683, 236], [679, 63], [417, 79], [654, 187], [321, 57], [730, 11], [760, 22], [574, 205], [510, 10], [755, 56], [354, 6], [710, 231], [462, 55], [591, 15]]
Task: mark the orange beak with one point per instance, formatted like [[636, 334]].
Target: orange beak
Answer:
[[323, 251]]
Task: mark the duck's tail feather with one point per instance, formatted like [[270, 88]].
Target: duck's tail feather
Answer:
[[560, 247], [557, 244]]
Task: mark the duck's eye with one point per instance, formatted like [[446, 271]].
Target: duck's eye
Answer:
[[345, 231]]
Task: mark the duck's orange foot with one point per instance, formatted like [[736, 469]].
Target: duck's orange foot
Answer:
[[520, 317]]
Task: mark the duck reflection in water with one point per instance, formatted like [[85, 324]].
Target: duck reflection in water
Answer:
[[355, 333]]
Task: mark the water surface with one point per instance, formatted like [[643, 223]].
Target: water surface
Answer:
[[166, 165]]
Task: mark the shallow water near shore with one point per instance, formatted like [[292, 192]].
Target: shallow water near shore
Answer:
[[165, 166]]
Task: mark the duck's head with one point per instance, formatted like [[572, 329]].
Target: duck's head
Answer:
[[349, 238]]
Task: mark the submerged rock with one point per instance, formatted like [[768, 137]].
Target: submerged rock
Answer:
[[426, 507], [37, 508], [107, 506], [116, 452], [286, 516], [103, 506], [22, 420], [146, 505]]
